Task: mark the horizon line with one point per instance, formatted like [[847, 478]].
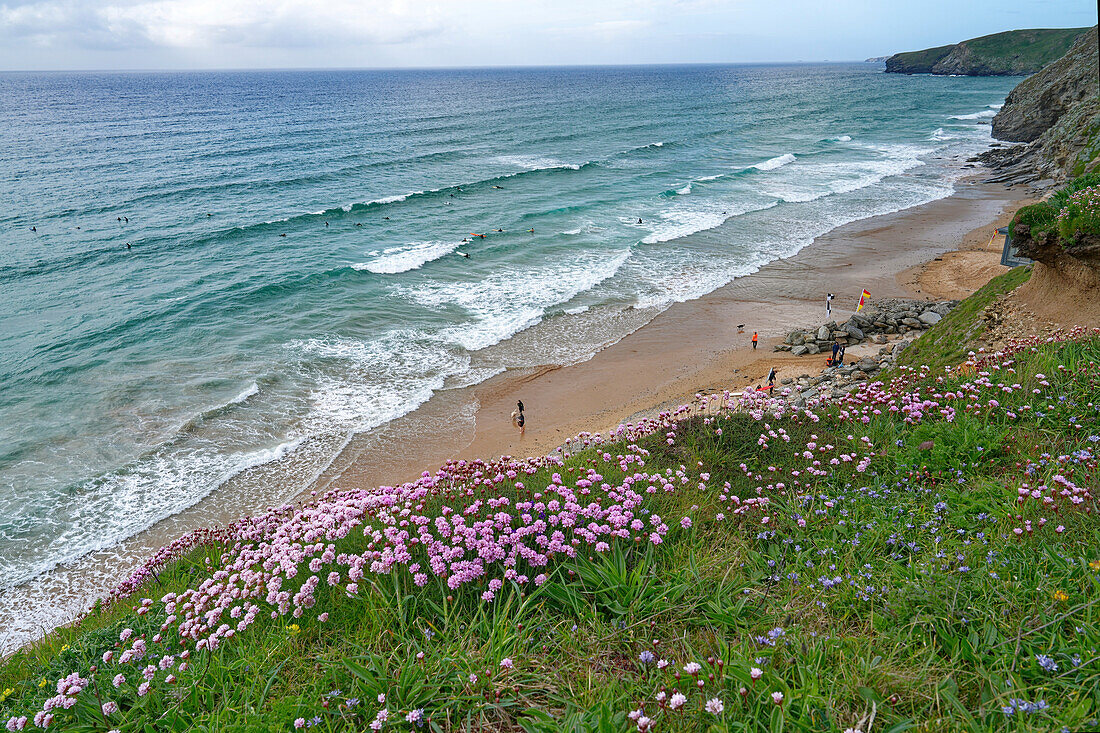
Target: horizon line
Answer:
[[483, 67]]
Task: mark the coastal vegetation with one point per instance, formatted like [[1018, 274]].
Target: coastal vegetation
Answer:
[[1072, 210], [1010, 53], [919, 555]]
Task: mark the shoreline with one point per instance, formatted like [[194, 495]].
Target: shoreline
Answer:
[[938, 250], [690, 347]]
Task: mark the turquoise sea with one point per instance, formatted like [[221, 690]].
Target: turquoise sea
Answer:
[[216, 276]]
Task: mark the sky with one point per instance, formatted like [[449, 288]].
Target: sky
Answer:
[[236, 34]]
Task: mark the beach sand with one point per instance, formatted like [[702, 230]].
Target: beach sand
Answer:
[[941, 250]]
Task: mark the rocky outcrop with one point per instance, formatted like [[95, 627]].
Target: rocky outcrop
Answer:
[[1058, 111], [836, 381], [876, 323], [1011, 53], [1037, 103]]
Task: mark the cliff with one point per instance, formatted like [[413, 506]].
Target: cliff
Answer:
[[1039, 101], [1011, 53], [1057, 113]]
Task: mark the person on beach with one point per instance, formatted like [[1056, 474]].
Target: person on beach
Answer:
[[840, 356], [828, 306], [755, 339], [519, 405], [771, 377], [836, 348]]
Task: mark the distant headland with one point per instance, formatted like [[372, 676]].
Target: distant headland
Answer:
[[1011, 53]]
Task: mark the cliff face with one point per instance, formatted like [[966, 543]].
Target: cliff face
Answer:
[[1012, 53], [1038, 102], [1057, 111]]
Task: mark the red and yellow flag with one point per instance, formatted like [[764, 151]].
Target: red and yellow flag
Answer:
[[862, 299]]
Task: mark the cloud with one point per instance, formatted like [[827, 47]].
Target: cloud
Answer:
[[610, 28], [205, 24]]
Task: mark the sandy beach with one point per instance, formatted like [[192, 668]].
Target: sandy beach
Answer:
[[941, 250]]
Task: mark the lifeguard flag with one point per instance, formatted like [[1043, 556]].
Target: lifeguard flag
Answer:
[[862, 299]]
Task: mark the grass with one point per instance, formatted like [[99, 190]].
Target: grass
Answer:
[[1044, 216], [949, 342], [879, 570], [1010, 52]]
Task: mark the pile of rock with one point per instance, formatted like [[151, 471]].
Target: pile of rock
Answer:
[[873, 323], [835, 382]]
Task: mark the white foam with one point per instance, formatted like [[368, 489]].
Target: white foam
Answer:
[[508, 301], [361, 384], [676, 223], [123, 503], [984, 114], [682, 220], [777, 162], [245, 394], [576, 311], [844, 139], [715, 177], [537, 163], [685, 190], [394, 260], [817, 180], [392, 199]]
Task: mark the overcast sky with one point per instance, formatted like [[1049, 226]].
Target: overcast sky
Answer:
[[179, 34]]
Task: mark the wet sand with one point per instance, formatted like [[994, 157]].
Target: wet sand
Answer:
[[697, 346]]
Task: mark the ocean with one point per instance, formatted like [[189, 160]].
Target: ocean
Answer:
[[213, 280]]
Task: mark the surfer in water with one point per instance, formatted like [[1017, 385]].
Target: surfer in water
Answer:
[[129, 246], [463, 254]]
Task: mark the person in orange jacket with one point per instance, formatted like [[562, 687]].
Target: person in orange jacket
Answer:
[[755, 338]]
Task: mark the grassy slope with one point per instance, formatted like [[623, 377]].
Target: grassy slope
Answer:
[[1032, 48], [934, 623], [949, 342], [1043, 216], [921, 62]]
